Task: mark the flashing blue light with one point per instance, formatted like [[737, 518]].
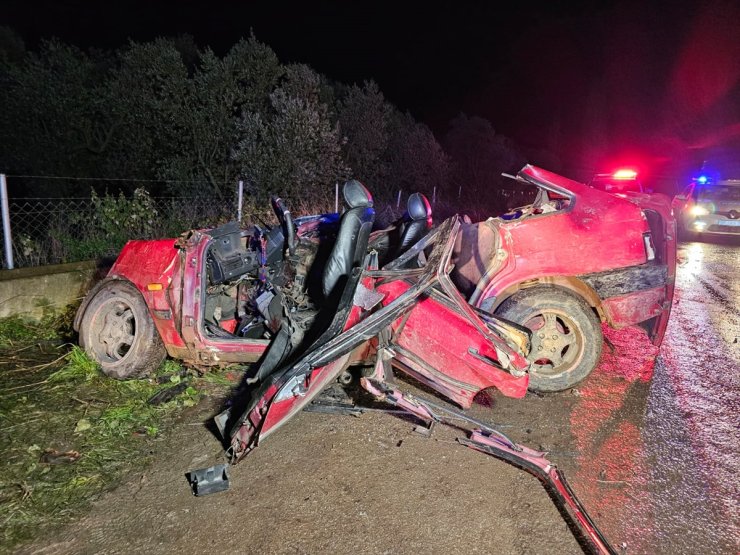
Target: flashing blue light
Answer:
[[702, 179]]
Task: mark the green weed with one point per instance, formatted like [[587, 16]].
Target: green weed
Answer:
[[168, 367], [53, 325], [214, 377], [72, 406], [15, 329], [79, 366]]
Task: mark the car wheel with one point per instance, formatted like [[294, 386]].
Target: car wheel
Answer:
[[117, 331], [566, 336]]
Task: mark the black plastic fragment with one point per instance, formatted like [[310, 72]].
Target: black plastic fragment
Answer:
[[213, 479], [167, 394]]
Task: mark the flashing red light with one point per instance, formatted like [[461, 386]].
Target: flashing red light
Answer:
[[624, 174]]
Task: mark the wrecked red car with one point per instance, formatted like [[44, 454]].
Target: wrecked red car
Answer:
[[559, 267], [511, 303], [575, 258]]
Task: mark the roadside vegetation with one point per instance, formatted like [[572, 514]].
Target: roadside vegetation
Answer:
[[69, 433], [171, 118], [190, 122]]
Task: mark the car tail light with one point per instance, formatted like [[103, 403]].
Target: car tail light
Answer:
[[647, 238]]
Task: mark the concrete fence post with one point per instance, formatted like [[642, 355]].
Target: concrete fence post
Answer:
[[8, 241]]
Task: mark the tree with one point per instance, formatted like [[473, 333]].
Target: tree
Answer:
[[479, 157], [207, 128], [416, 160], [55, 119], [292, 148], [12, 47], [364, 119], [148, 94], [192, 122]]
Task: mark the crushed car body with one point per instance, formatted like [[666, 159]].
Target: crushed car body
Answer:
[[513, 303], [559, 267]]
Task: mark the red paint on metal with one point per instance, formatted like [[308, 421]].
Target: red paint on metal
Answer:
[[597, 232], [145, 262], [551, 475], [279, 412], [438, 344], [628, 310]]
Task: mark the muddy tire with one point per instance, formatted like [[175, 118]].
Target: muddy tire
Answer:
[[118, 332], [566, 336]]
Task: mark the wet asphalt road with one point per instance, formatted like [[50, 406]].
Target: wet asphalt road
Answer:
[[691, 439], [658, 437]]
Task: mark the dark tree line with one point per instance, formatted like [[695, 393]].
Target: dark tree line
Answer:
[[197, 122]]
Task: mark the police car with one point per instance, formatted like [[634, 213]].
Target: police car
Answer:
[[709, 206]]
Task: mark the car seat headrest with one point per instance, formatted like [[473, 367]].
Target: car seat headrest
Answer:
[[418, 207], [356, 194]]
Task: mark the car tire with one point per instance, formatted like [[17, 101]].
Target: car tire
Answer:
[[118, 332], [566, 336]]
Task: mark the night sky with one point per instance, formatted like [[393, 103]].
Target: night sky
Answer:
[[655, 84]]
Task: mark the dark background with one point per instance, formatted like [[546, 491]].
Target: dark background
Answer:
[[649, 84]]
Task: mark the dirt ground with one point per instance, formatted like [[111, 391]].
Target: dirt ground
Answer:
[[326, 483], [648, 443]]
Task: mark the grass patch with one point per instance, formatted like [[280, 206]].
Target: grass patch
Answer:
[[67, 408], [15, 330], [54, 325], [78, 366]]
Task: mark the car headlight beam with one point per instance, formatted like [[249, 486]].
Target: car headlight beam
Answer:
[[699, 210]]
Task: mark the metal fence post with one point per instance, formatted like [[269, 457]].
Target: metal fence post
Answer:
[[336, 197], [398, 200], [434, 196], [240, 201], [8, 242]]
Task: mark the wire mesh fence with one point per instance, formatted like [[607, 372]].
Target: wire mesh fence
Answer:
[[61, 230]]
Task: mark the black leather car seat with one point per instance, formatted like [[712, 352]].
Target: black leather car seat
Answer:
[[416, 222], [347, 253], [351, 243]]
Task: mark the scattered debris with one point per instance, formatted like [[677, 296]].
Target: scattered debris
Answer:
[[209, 480], [425, 429], [167, 394], [52, 456]]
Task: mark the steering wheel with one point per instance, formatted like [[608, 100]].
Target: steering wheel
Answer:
[[286, 221]]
